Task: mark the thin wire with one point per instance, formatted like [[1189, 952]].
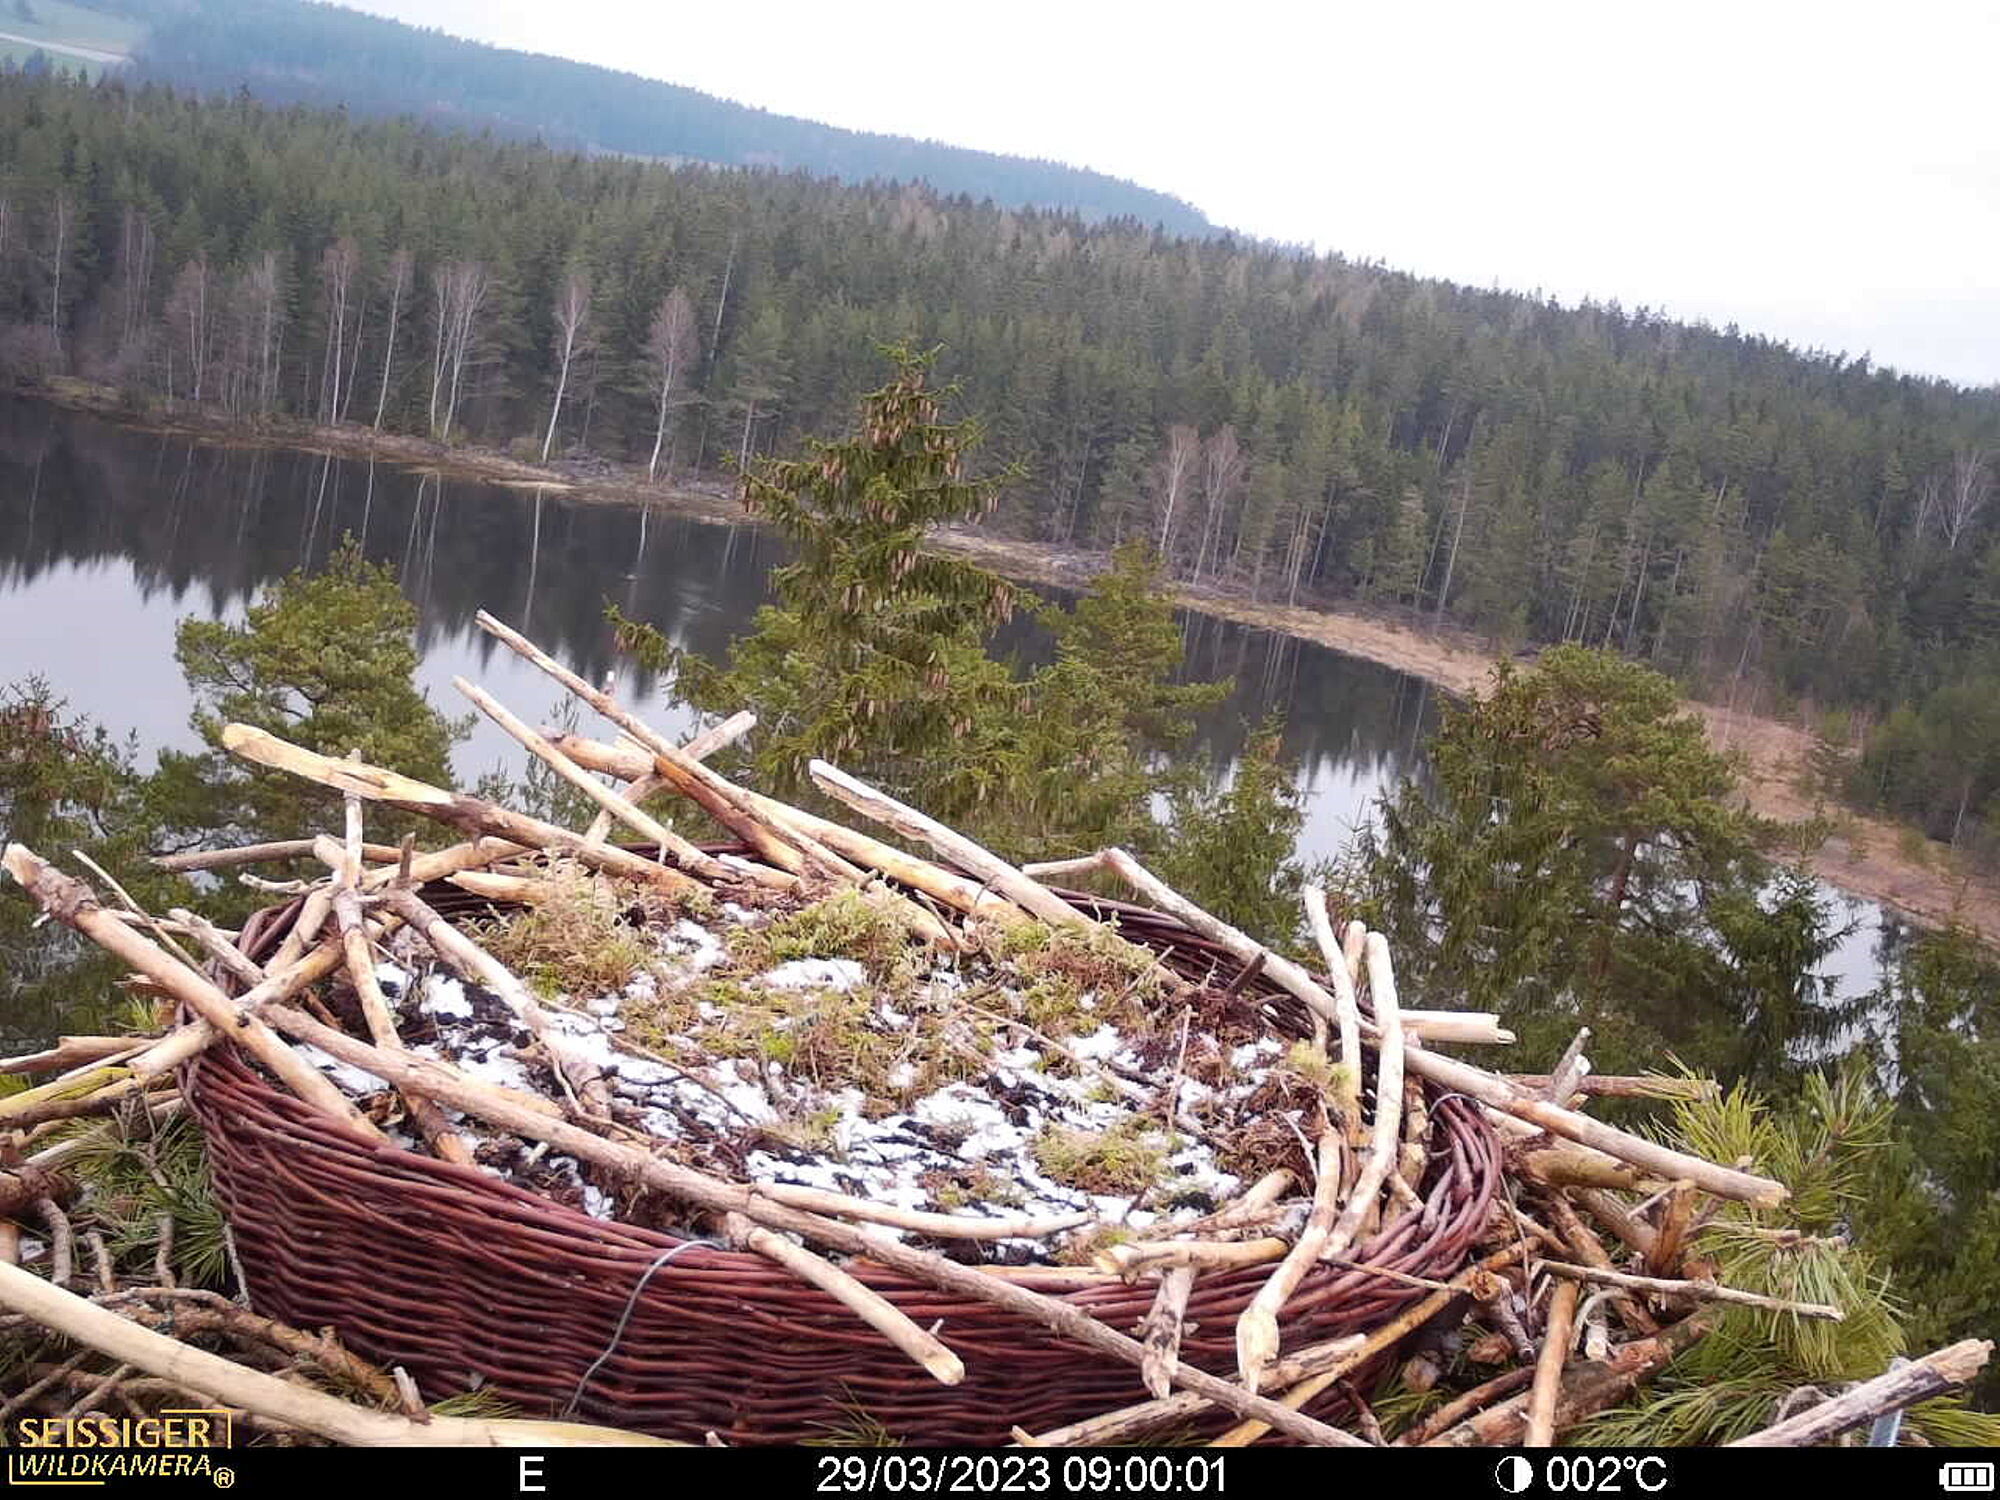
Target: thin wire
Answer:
[[625, 1318]]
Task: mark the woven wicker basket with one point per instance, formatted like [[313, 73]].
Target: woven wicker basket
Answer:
[[469, 1282]]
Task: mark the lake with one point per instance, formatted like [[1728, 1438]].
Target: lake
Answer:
[[109, 536]]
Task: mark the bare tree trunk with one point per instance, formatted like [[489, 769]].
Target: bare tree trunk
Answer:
[[1966, 492], [63, 212], [1451, 558], [337, 268], [670, 342], [399, 280], [572, 311], [1175, 469]]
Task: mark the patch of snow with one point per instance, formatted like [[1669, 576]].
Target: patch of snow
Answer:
[[350, 1080], [445, 998], [817, 974]]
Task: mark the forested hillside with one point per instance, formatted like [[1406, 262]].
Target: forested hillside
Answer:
[[291, 52], [1739, 513]]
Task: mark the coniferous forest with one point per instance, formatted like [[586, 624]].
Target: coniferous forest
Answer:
[[291, 52], [1793, 528]]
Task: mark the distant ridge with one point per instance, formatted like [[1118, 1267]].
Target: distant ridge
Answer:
[[288, 51]]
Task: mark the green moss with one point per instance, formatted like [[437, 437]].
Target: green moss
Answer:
[[577, 940], [1071, 980], [845, 925], [811, 1131], [977, 1188], [1124, 1159], [832, 1039], [1082, 1248]]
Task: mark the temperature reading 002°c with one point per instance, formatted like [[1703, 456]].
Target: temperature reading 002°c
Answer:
[[1593, 1474]]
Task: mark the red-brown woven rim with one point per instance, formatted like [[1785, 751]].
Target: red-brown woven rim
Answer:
[[470, 1282]]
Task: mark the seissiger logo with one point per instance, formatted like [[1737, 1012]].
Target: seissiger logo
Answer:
[[98, 1449]]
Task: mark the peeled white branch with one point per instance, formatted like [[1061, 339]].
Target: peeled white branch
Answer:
[[235, 1385]]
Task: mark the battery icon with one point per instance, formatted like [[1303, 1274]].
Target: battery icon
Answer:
[[1966, 1478]]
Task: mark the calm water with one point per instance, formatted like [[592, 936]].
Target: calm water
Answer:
[[109, 537]]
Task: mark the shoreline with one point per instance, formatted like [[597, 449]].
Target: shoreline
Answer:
[[1863, 856]]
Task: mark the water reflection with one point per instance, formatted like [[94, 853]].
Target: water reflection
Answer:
[[109, 536]]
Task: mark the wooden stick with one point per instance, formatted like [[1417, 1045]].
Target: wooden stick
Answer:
[[685, 854], [1416, 1133], [1255, 1207], [1257, 1325], [1162, 1331], [936, 1226], [421, 869], [1129, 1424], [25, 1185], [1131, 1259], [781, 841], [1617, 1086], [1387, 1336], [522, 890], [125, 898], [252, 1390], [1452, 1411], [1614, 1216], [20, 1112], [1570, 1166], [1429, 1284], [1027, 894], [1675, 1216], [305, 928], [1387, 1143], [69, 1052], [1701, 1289], [218, 947], [711, 1193], [474, 963], [473, 814], [1723, 1182], [1487, 1088], [1937, 1372], [1474, 1028], [1584, 1246], [962, 895], [1347, 1011], [177, 1046], [1549, 1367], [1587, 1388], [694, 780], [1353, 939], [873, 1309], [424, 1113], [255, 854], [1063, 869], [71, 903], [1569, 1069], [649, 781]]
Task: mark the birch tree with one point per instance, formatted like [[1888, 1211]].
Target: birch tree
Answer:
[[1172, 476], [671, 346], [1966, 490], [459, 292], [262, 307], [337, 269], [572, 319], [62, 214], [1224, 466], [400, 265], [190, 326]]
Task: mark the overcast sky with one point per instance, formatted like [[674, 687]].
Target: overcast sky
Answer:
[[1826, 173]]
